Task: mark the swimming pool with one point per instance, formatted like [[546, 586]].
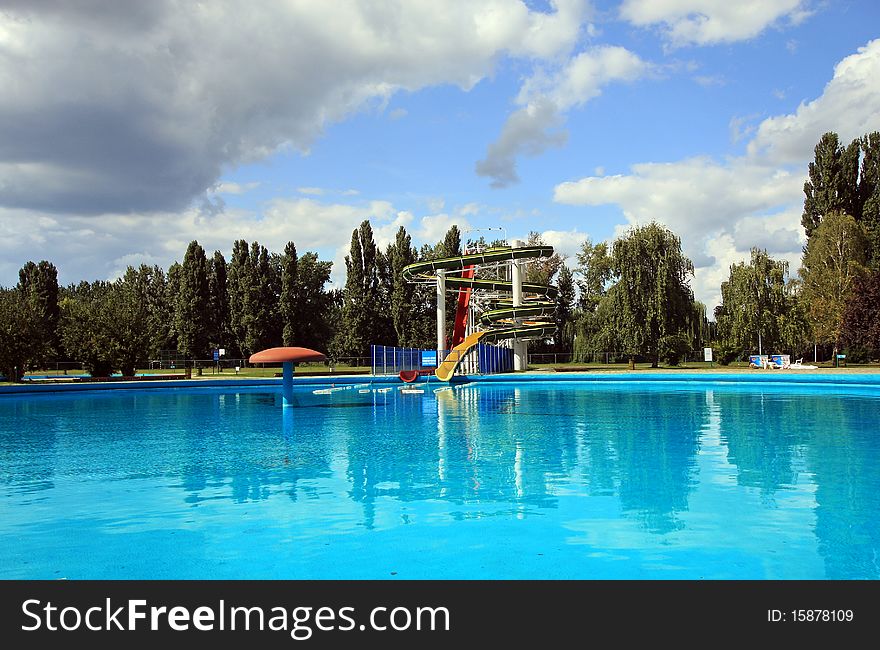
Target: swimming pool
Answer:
[[484, 480]]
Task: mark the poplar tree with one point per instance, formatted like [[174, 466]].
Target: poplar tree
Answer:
[[145, 301], [218, 300], [451, 244], [263, 329], [289, 301], [834, 258], [315, 306], [16, 334], [833, 183], [404, 310], [172, 289], [360, 303], [385, 330], [38, 292], [128, 302], [239, 285], [192, 316], [869, 195]]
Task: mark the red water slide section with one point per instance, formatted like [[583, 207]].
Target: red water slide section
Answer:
[[409, 376], [461, 311]]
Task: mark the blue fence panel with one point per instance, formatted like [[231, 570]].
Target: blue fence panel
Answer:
[[494, 359], [388, 360]]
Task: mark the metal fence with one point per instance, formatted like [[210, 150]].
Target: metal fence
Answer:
[[181, 363], [486, 359], [609, 358], [389, 360]]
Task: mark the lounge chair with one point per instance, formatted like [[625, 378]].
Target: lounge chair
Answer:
[[799, 365]]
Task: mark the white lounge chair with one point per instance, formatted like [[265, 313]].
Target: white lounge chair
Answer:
[[799, 365]]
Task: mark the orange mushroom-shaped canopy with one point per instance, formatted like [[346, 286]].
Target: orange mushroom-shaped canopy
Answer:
[[280, 355]]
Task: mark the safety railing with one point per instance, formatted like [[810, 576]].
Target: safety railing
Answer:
[[486, 359]]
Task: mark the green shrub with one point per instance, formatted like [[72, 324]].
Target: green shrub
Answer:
[[725, 352], [674, 348], [857, 354]]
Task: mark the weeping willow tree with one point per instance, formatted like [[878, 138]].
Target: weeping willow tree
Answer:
[[651, 300], [760, 308]]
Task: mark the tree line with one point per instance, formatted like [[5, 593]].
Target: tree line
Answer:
[[203, 303], [258, 299], [631, 297], [635, 300], [833, 304]]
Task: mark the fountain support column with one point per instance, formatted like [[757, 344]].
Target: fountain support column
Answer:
[[287, 382]]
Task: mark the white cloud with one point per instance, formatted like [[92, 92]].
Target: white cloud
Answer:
[[708, 81], [101, 247], [726, 252], [741, 127], [384, 233], [397, 114], [432, 228], [121, 263], [565, 242], [312, 191], [849, 105], [694, 191], [229, 187], [313, 224], [468, 209], [544, 97], [779, 233], [723, 208], [700, 199], [582, 78], [707, 22], [109, 110]]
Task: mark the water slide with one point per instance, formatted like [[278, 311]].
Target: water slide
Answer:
[[530, 320], [461, 310]]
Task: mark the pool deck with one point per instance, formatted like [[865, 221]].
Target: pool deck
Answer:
[[827, 376]]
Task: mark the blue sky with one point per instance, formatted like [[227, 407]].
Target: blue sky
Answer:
[[127, 130]]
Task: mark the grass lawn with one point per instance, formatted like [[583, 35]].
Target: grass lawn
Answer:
[[691, 366], [307, 369], [225, 373]]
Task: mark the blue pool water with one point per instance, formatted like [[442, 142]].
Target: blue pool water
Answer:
[[504, 480]]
